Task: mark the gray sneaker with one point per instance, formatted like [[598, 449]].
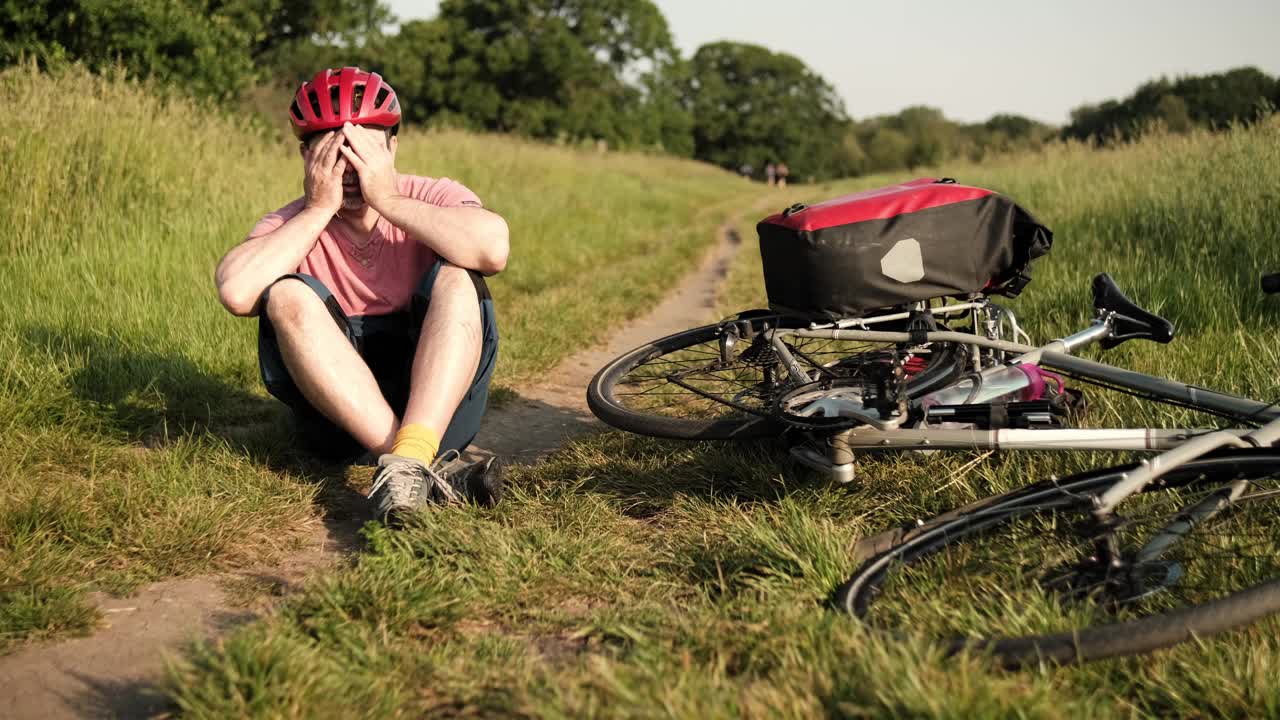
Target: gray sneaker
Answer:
[[399, 487], [447, 476], [477, 482], [402, 485]]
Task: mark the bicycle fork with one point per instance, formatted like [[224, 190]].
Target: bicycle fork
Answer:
[[1108, 551]]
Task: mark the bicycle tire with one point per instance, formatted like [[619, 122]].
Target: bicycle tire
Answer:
[[745, 424], [860, 594]]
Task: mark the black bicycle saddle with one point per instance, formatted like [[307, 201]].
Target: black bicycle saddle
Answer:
[[1129, 321]]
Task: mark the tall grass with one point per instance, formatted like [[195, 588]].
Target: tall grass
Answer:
[[631, 577], [136, 441]]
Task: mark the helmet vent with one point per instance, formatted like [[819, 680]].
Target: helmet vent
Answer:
[[314, 100], [382, 96], [333, 100], [294, 111]]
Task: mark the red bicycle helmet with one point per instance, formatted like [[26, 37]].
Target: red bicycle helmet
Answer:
[[334, 97]]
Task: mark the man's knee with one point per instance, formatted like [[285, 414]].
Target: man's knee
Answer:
[[454, 282], [454, 307], [290, 302]]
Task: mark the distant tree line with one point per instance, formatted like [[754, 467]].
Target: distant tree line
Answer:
[[1212, 101], [604, 72], [921, 136]]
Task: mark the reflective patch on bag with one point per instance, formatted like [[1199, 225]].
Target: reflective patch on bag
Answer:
[[903, 262]]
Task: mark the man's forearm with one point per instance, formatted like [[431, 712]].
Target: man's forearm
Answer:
[[469, 237], [251, 266]]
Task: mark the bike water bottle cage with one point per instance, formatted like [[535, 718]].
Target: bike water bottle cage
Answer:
[[1128, 321]]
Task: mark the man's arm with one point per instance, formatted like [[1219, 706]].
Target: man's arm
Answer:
[[247, 270], [469, 237]]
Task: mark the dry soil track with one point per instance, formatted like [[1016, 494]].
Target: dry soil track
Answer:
[[116, 671]]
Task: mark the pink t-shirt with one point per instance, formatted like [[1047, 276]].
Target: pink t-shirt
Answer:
[[380, 278]]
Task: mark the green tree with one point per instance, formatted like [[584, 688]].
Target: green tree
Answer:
[[889, 149], [933, 137], [1172, 111], [207, 47], [1002, 133], [576, 69], [169, 41], [1017, 127], [414, 61], [751, 105], [292, 39], [1221, 99]]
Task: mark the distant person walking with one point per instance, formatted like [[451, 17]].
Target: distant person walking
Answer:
[[770, 174], [374, 323], [782, 171]]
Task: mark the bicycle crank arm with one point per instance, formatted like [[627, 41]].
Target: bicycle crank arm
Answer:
[[807, 456]]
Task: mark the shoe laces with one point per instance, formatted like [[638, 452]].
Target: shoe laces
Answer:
[[444, 481], [399, 478]]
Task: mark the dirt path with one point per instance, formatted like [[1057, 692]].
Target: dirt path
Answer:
[[116, 671], [555, 410]]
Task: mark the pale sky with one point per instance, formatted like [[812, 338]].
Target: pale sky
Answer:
[[980, 57]]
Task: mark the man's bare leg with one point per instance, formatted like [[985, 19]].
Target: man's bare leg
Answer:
[[444, 366], [448, 351], [327, 370]]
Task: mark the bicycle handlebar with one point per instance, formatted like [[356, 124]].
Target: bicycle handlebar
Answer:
[[1271, 283]]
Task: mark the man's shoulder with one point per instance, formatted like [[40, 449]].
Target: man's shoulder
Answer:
[[289, 210], [276, 218]]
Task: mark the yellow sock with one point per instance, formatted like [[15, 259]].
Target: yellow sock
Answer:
[[416, 441]]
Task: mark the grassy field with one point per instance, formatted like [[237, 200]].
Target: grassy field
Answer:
[[628, 577], [623, 576], [136, 441]]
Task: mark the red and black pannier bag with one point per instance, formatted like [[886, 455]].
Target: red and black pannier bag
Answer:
[[922, 239]]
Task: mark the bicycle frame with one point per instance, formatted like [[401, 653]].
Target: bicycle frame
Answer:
[[877, 432], [1119, 561]]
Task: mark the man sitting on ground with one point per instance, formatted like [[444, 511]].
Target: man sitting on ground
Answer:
[[375, 325]]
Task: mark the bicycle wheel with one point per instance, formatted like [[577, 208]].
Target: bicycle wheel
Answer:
[[698, 385], [1026, 577]]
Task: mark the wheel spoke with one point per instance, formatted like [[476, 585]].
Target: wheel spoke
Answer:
[[685, 378]]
